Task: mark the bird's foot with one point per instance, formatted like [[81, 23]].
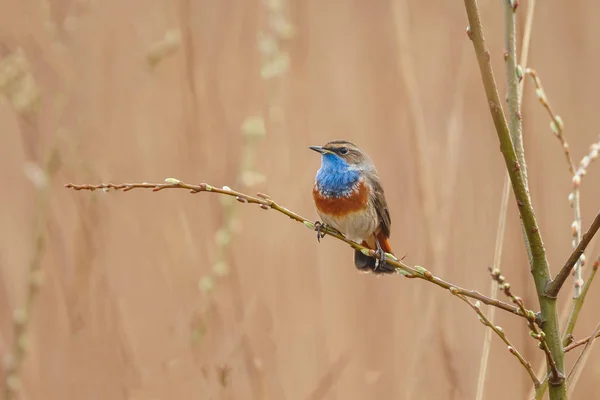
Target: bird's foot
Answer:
[[380, 259], [320, 227]]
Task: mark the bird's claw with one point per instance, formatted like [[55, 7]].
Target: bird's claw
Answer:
[[319, 227]]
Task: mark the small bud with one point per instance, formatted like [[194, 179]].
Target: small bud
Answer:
[[576, 181], [500, 329], [571, 197], [221, 268], [574, 228], [309, 225], [241, 199], [559, 122], [263, 196], [420, 269], [582, 259], [226, 188], [578, 282], [207, 187], [13, 383], [541, 95], [206, 284], [533, 335], [482, 320], [172, 181], [554, 128], [391, 256], [469, 33], [453, 290], [264, 207], [542, 335], [36, 175], [478, 304], [254, 127], [20, 316], [511, 349], [585, 162], [519, 73], [222, 237]]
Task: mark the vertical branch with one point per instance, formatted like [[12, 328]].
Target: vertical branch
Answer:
[[539, 263], [514, 97]]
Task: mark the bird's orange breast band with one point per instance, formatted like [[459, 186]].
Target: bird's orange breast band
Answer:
[[340, 206]]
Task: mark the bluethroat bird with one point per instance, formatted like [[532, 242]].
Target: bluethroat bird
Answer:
[[350, 199]]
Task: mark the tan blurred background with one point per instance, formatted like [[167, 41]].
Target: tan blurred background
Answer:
[[176, 296]]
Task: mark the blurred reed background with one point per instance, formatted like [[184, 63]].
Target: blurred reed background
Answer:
[[174, 296]]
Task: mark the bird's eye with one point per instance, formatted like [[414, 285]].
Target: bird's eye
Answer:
[[343, 150]]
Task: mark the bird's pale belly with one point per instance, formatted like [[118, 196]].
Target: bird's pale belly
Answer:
[[356, 226], [353, 214]]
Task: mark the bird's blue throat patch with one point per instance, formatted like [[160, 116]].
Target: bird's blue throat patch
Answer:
[[335, 178]]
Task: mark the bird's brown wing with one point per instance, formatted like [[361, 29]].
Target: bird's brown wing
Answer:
[[378, 199]]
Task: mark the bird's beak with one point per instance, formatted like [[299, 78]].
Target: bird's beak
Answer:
[[318, 149]]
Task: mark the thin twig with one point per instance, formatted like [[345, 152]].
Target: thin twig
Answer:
[[500, 332], [580, 342], [266, 203], [556, 123], [535, 332], [487, 341], [555, 285], [575, 372], [578, 303], [525, 43]]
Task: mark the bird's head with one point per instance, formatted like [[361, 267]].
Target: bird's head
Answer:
[[340, 156]]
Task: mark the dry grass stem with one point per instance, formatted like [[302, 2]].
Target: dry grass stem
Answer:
[[494, 289]]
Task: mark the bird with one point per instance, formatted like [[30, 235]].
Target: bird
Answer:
[[349, 197]]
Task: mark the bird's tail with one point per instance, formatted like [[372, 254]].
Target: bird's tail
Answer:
[[366, 263]]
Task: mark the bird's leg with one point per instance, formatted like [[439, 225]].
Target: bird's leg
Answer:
[[379, 256]]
